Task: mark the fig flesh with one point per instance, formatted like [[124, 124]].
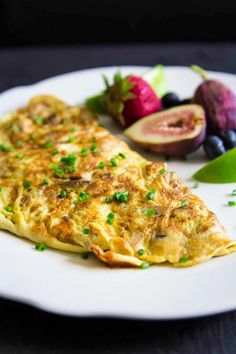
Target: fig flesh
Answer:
[[219, 103], [176, 131]]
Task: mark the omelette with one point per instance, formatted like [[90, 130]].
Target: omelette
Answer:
[[67, 183]]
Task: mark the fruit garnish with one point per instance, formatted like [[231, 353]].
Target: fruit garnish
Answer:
[[176, 131], [220, 170], [219, 103], [127, 99], [229, 138], [155, 77], [170, 99], [213, 146]]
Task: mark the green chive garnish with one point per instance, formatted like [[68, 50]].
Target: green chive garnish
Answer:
[[85, 231], [113, 162], [121, 197], [140, 252], [162, 171], [196, 185], [231, 203], [184, 203], [45, 181], [20, 155], [70, 139], [9, 209], [149, 212], [48, 144], [101, 165], [26, 184], [183, 260], [55, 152], [40, 247], [108, 199], [19, 143], [70, 159], [233, 192], [63, 194], [94, 139], [144, 265], [94, 148], [122, 155], [38, 120], [84, 151], [83, 197], [151, 194], [110, 218], [73, 130]]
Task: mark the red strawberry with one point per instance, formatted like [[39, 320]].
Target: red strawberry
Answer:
[[129, 99]]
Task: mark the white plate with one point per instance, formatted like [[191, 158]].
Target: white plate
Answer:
[[64, 283]]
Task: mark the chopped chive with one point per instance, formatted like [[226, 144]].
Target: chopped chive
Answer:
[[9, 209], [83, 197], [72, 129], [110, 218], [140, 252], [233, 192], [196, 185], [85, 255], [48, 144], [70, 139], [101, 165], [6, 148], [122, 155], [144, 265], [121, 197], [162, 171], [84, 151], [70, 159], [183, 260], [38, 120], [231, 203], [185, 203], [26, 184], [94, 148], [108, 199], [45, 181], [20, 155], [40, 247], [55, 152], [19, 143], [63, 194], [86, 231], [149, 212], [113, 162], [94, 139], [0, 189], [151, 194]]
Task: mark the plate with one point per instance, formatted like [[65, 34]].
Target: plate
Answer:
[[66, 284]]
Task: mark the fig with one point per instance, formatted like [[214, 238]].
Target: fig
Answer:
[[175, 131], [219, 103]]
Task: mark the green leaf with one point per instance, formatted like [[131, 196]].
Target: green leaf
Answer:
[[95, 104], [156, 79], [117, 76], [105, 79]]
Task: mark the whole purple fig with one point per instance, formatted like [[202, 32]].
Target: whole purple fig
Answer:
[[219, 103]]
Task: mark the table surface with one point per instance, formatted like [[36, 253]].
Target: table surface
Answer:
[[27, 330]]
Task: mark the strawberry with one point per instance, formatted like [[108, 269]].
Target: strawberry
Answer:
[[127, 99]]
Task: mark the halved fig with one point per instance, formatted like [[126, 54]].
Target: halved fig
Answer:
[[176, 131]]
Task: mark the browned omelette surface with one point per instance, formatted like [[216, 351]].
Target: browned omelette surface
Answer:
[[67, 182]]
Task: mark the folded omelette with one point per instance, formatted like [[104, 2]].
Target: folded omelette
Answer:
[[66, 182]]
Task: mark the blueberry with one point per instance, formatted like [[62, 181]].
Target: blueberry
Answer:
[[229, 138], [186, 101], [213, 146], [169, 100]]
